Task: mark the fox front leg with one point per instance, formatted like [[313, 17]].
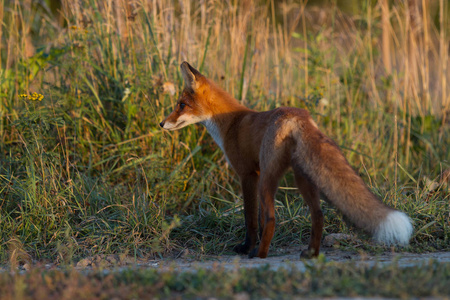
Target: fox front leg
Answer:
[[249, 185]]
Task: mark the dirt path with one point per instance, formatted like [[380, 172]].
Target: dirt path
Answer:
[[292, 259], [288, 259]]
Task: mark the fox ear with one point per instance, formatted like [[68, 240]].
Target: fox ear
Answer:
[[191, 76]]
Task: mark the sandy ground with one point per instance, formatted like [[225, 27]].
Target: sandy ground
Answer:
[[288, 259], [293, 260]]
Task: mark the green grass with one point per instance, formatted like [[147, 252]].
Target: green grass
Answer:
[[87, 170], [319, 280]]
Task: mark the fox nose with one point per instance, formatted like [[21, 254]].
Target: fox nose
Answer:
[[161, 124]]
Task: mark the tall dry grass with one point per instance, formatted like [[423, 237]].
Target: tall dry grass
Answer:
[[88, 170], [216, 33]]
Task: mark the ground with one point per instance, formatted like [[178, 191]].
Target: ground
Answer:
[[287, 258]]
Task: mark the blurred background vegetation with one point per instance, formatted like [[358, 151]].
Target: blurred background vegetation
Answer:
[[85, 168]]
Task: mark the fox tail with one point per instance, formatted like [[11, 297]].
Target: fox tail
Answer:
[[326, 166]]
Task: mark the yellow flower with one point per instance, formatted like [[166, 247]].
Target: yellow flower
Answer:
[[33, 97]]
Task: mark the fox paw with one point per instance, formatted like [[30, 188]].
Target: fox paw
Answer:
[[253, 253], [257, 253], [241, 248]]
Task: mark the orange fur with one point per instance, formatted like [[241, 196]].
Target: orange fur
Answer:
[[261, 146]]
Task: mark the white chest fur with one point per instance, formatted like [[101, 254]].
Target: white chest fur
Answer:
[[214, 131]]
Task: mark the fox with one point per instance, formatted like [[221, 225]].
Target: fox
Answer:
[[262, 146]]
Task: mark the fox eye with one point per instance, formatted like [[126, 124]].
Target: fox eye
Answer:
[[182, 105]]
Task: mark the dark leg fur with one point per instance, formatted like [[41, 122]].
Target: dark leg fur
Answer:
[[249, 185]]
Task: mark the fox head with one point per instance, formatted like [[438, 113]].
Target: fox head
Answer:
[[190, 108]]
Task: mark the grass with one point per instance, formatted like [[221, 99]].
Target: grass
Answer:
[[87, 170], [319, 280]]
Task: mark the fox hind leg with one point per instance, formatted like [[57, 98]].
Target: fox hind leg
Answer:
[[272, 169], [311, 196], [267, 189]]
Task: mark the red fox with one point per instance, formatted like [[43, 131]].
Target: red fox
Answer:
[[261, 146]]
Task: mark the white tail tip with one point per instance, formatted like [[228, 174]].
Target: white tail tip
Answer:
[[396, 229]]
